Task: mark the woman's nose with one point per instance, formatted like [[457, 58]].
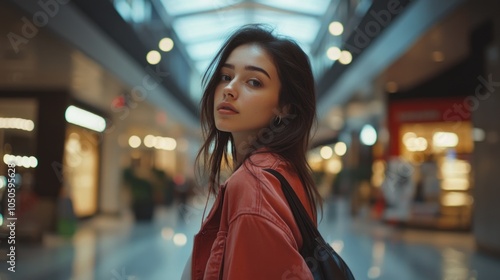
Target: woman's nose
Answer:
[[230, 90]]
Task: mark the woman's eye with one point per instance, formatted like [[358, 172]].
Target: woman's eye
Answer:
[[255, 83], [225, 78]]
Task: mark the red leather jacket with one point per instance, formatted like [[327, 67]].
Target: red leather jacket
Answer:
[[250, 233]]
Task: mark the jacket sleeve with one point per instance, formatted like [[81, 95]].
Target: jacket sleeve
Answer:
[[257, 248]]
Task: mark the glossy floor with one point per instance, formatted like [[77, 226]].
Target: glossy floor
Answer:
[[118, 249]]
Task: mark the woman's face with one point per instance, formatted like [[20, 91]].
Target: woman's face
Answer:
[[246, 99]]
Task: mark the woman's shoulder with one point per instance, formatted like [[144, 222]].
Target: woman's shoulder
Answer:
[[252, 171], [251, 189]]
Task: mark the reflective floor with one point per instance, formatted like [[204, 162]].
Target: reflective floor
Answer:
[[118, 249]]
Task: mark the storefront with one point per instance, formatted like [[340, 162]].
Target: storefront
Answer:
[[428, 175], [56, 159], [18, 134], [81, 169]]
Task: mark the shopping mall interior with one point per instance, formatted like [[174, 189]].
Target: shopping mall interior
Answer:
[[100, 128]]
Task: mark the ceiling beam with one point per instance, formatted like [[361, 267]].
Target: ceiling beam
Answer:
[[400, 35], [252, 5], [72, 25], [168, 22], [324, 23]]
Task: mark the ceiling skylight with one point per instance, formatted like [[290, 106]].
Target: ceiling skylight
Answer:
[[202, 25]]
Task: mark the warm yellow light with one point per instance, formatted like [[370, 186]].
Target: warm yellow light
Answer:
[[326, 152], [455, 168], [445, 139], [149, 141], [345, 57], [153, 57], [378, 166], [180, 239], [334, 166], [85, 119], [165, 143], [337, 245], [409, 135], [23, 161], [314, 160], [17, 123], [414, 143], [340, 148], [7, 159], [134, 141], [169, 144], [158, 142], [377, 180], [336, 28], [421, 144], [456, 199], [166, 44], [455, 184], [333, 53], [167, 233]]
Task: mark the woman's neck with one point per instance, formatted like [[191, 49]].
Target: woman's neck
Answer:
[[244, 144]]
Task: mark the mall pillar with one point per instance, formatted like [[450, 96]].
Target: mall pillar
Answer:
[[486, 167], [50, 148]]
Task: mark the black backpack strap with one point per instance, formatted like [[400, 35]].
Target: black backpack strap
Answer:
[[313, 244], [300, 214]]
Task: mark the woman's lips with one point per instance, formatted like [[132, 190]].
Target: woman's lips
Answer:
[[225, 111], [226, 108]]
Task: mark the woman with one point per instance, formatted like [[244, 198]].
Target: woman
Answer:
[[257, 110]]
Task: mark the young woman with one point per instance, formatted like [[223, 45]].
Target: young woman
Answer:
[[257, 111]]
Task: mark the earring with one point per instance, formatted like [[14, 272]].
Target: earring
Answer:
[[277, 119]]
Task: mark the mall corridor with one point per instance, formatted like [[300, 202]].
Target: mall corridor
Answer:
[[102, 105], [118, 249]]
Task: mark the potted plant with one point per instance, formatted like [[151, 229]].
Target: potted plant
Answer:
[[141, 191]]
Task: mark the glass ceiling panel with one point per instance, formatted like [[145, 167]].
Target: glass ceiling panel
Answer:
[[203, 51], [300, 28], [177, 7], [202, 65], [209, 27], [194, 29], [203, 25], [317, 7]]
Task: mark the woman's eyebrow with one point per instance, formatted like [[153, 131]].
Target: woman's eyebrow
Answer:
[[248, 67]]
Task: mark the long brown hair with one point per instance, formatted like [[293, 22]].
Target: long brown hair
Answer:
[[289, 138]]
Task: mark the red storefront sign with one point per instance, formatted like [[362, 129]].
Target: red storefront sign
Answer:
[[425, 111]]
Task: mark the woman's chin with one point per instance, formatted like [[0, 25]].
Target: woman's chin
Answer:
[[223, 128]]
